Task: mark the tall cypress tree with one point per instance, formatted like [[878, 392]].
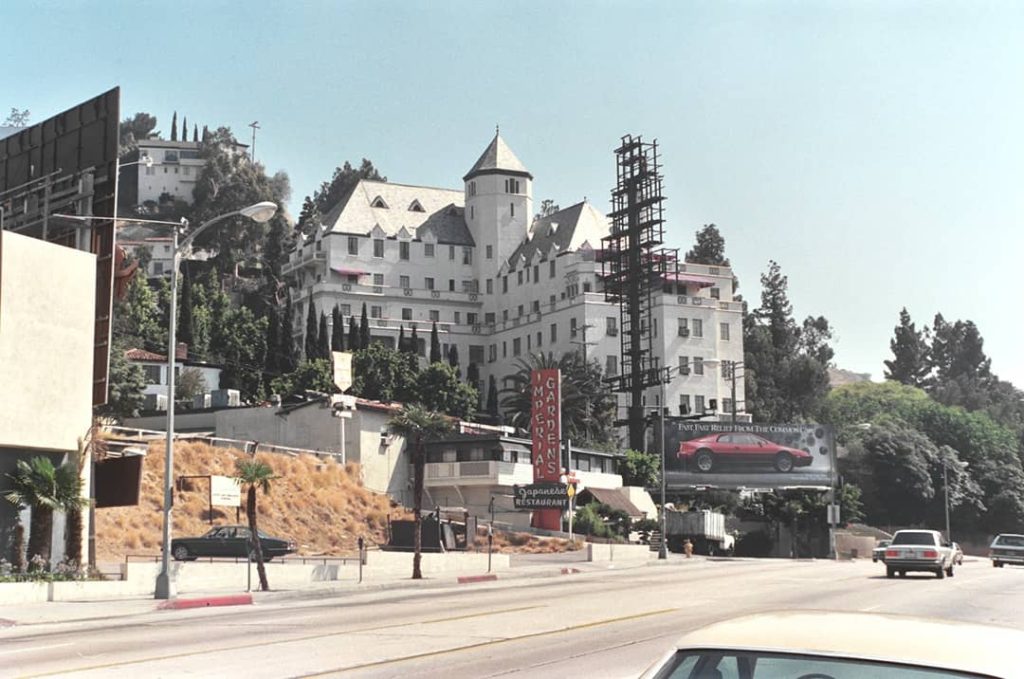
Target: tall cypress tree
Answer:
[[184, 128], [186, 322], [364, 329], [323, 339], [337, 330], [453, 360], [435, 345], [206, 133], [174, 127], [353, 334], [492, 396], [288, 357], [473, 378], [312, 333], [414, 351], [195, 132], [403, 346]]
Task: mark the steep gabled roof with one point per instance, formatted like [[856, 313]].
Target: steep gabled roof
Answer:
[[564, 231], [498, 158], [443, 213]]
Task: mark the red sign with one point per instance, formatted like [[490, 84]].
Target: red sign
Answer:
[[546, 427]]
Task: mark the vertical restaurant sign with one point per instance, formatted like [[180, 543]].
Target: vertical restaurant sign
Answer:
[[546, 423]]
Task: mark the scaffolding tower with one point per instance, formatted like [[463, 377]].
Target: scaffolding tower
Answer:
[[634, 268]]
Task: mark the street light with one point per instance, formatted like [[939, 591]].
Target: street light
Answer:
[[147, 161], [259, 212]]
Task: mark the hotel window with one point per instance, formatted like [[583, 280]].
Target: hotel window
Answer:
[[346, 309], [587, 286], [536, 306], [726, 405], [428, 249], [489, 318], [511, 186], [684, 365], [698, 365], [520, 310], [451, 252], [152, 373], [512, 209], [611, 366], [403, 282], [551, 269], [378, 247], [572, 327], [504, 349], [458, 317], [375, 312], [723, 332], [517, 345], [435, 315], [451, 285], [378, 279], [520, 277], [504, 285], [611, 326], [472, 188], [467, 255], [536, 273], [471, 318], [684, 404], [504, 315], [353, 245], [490, 252], [554, 333], [492, 353], [698, 404], [472, 212], [540, 338], [698, 327], [406, 314], [428, 283], [403, 250], [529, 342], [490, 286]]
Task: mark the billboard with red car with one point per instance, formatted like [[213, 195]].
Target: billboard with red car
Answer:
[[745, 455]]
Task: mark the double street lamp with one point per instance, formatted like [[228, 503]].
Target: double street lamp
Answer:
[[260, 212]]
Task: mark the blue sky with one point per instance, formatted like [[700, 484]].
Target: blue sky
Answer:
[[874, 149]]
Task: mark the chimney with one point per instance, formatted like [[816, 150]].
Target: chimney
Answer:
[[181, 351]]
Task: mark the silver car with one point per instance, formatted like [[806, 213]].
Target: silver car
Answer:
[[1007, 548]]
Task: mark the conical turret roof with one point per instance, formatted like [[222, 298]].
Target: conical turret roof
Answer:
[[498, 158]]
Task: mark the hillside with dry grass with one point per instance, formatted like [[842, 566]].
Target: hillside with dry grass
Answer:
[[318, 503]]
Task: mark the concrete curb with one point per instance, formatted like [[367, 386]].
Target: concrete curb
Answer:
[[206, 602], [469, 579]]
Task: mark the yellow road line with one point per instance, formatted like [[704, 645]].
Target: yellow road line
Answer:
[[172, 656], [484, 644]]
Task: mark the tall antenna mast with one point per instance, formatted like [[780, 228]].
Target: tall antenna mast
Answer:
[[255, 125]]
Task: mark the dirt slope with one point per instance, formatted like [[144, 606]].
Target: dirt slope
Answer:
[[318, 503]]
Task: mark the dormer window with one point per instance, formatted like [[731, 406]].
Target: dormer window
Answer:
[[415, 206], [379, 202]]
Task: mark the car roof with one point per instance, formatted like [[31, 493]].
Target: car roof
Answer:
[[1009, 535], [949, 645], [916, 530]]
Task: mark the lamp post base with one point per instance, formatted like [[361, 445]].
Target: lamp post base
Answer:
[[164, 587]]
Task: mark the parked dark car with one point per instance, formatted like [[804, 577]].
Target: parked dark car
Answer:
[[711, 453], [228, 541]]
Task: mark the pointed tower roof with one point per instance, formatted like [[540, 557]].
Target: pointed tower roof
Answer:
[[498, 158]]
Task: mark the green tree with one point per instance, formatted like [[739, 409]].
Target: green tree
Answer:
[[309, 218], [186, 324], [403, 344], [174, 127], [242, 350], [315, 375], [189, 383], [17, 118], [289, 356], [184, 128], [548, 207], [312, 336], [137, 317], [255, 475], [382, 374], [435, 344], [492, 397], [126, 382], [453, 360], [439, 388], [910, 354], [414, 351], [709, 248], [418, 425], [364, 329], [45, 489], [323, 345], [139, 127], [337, 330], [639, 468], [473, 377], [195, 132], [272, 364], [353, 334]]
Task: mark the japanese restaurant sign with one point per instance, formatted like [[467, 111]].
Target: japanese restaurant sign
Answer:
[[546, 428]]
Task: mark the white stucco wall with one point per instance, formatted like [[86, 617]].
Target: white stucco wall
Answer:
[[47, 303]]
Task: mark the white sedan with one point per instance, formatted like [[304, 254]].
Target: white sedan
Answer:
[[832, 645]]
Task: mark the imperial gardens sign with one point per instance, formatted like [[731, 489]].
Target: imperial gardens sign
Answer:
[[546, 429]]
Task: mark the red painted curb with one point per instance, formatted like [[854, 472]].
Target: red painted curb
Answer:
[[203, 602], [570, 571], [466, 579], [4, 622]]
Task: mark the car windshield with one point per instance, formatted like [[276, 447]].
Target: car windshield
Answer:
[[1010, 540], [914, 538], [718, 665]]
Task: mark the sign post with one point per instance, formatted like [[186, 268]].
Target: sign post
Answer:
[[546, 430]]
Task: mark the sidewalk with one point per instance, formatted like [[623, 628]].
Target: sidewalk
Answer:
[[61, 612]]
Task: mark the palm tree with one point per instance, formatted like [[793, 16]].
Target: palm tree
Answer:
[[45, 489], [255, 474], [417, 425]]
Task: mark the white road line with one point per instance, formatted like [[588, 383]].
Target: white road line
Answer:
[[35, 648]]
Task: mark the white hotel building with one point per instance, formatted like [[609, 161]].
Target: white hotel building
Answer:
[[501, 285]]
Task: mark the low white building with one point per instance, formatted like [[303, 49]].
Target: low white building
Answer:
[[154, 366], [501, 285], [173, 171]]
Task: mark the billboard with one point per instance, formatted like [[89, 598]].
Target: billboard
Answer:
[[744, 455], [546, 431], [67, 165]]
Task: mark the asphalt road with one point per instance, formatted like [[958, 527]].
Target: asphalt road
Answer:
[[601, 624]]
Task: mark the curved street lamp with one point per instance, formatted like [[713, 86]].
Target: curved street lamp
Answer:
[[258, 212]]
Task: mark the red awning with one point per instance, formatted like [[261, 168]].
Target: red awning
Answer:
[[349, 272], [691, 279]]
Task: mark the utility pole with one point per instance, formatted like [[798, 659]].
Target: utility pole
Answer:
[[255, 125], [945, 485]]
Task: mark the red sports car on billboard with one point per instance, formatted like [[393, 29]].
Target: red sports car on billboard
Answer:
[[711, 453]]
